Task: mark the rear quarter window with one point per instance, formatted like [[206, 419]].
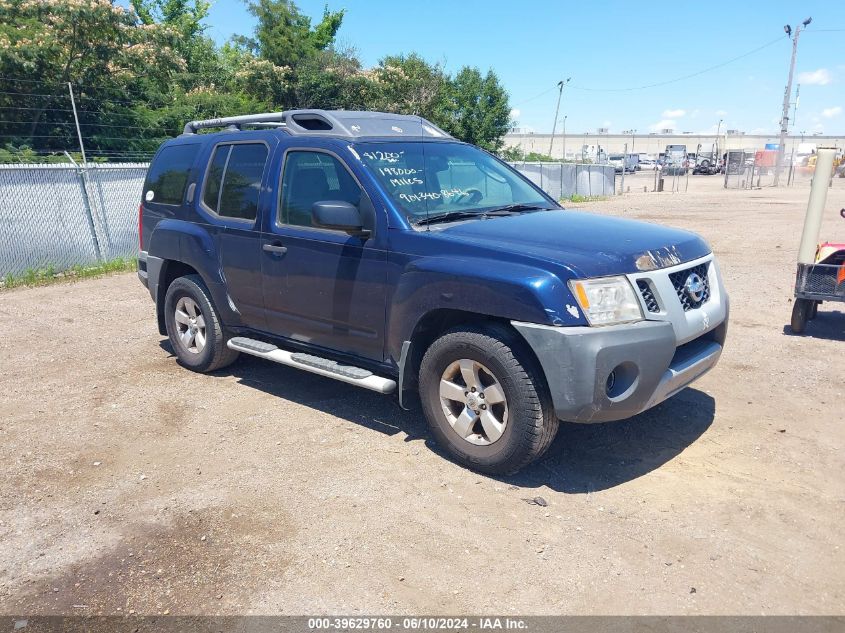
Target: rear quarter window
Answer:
[[168, 176]]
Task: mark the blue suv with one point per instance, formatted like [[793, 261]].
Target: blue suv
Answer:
[[377, 250]]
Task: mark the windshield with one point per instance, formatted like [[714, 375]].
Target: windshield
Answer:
[[428, 179]]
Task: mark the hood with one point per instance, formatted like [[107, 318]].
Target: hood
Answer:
[[591, 245]]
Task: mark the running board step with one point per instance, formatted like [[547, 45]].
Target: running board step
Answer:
[[314, 364]]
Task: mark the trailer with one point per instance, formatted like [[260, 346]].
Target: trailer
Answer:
[[821, 267]]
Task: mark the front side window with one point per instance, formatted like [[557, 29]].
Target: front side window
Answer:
[[427, 179], [233, 181], [311, 177], [169, 173]]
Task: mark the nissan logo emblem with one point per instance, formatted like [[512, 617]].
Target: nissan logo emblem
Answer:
[[694, 287]]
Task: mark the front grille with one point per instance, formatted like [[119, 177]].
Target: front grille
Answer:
[[648, 296], [679, 280]]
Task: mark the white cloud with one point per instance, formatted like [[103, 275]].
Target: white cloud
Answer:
[[820, 77], [515, 113], [829, 113], [721, 112], [674, 114], [606, 124], [663, 124]]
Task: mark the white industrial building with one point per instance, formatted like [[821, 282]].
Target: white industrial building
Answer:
[[575, 146]]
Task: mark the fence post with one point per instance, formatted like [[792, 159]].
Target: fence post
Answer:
[[622, 184], [86, 203], [561, 179]]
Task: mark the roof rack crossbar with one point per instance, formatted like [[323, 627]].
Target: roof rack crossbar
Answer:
[[331, 123], [267, 117]]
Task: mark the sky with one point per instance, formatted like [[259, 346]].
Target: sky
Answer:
[[609, 50]]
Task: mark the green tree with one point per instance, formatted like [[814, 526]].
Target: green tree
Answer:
[[185, 18], [96, 45], [333, 79], [284, 35], [407, 84], [478, 109]]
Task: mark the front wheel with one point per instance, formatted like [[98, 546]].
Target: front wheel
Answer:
[[486, 399], [801, 310], [194, 327]]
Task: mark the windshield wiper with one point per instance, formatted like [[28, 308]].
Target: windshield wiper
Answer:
[[515, 208], [462, 215], [449, 216]]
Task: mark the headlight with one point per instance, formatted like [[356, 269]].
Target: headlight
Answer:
[[607, 300]]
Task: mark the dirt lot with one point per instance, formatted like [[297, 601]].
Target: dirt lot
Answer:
[[131, 484]]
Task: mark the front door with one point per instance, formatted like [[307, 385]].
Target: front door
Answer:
[[322, 287]]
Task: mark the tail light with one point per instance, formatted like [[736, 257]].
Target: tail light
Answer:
[[140, 227]]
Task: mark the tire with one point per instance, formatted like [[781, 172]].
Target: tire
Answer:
[[206, 350], [504, 366], [814, 310], [800, 315]]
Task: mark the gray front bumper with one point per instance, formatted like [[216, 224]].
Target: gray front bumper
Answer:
[[647, 363]]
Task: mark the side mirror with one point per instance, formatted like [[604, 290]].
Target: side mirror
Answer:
[[339, 215]]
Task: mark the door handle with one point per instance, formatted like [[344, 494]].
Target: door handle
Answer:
[[275, 249]]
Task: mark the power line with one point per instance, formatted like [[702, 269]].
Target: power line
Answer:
[[545, 92], [691, 75], [93, 137], [33, 94]]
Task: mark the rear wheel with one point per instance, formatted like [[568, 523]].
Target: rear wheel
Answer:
[[194, 327], [485, 399], [800, 315]]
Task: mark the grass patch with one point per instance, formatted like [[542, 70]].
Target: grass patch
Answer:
[[49, 275], [578, 198]]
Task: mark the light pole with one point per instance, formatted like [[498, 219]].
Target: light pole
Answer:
[[632, 133], [787, 95], [718, 129], [560, 86]]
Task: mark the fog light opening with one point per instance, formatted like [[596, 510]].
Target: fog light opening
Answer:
[[621, 381], [611, 381]]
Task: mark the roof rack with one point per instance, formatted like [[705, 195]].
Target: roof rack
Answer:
[[337, 123]]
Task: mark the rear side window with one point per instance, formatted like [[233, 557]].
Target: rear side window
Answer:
[[233, 181], [167, 178]]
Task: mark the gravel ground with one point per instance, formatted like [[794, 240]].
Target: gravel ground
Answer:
[[133, 485]]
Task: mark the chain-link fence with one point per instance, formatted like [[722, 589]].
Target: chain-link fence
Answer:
[[562, 180], [61, 216], [755, 169]]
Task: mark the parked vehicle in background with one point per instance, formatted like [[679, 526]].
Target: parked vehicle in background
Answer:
[[647, 164], [618, 162], [676, 160], [375, 249], [707, 164]]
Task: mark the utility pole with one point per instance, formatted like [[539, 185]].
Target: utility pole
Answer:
[[564, 137], [560, 85], [76, 119], [83, 173], [787, 95]]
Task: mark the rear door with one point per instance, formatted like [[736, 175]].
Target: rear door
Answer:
[[321, 286], [231, 197]]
